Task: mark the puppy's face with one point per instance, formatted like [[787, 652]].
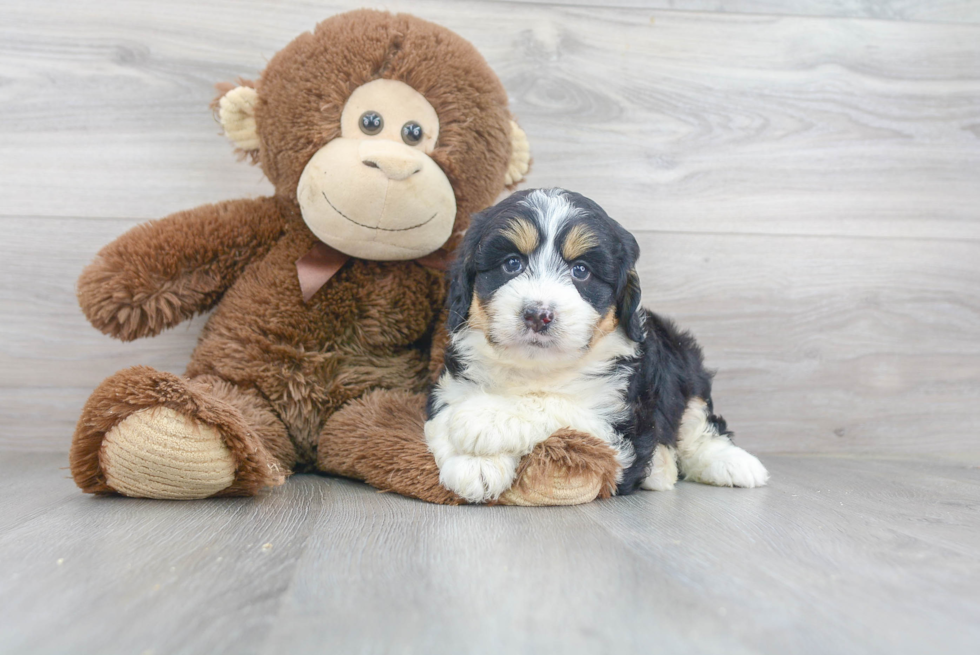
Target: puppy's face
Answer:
[[546, 274]]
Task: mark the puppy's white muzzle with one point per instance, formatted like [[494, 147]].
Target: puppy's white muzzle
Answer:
[[543, 316]]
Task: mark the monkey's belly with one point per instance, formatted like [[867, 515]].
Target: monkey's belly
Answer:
[[309, 359], [306, 386]]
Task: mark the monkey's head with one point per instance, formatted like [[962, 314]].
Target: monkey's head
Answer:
[[387, 130]]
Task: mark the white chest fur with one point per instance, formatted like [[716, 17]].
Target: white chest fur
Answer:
[[497, 410]]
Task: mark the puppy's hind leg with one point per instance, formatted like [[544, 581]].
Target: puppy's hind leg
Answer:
[[709, 456], [663, 469]]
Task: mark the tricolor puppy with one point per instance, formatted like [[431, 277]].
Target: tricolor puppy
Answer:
[[547, 332]]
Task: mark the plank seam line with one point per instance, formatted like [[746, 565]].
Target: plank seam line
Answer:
[[650, 231], [752, 14]]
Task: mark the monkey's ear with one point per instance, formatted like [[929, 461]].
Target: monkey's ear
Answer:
[[520, 156], [236, 113]]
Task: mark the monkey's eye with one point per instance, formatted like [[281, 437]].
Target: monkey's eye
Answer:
[[580, 272], [411, 133], [513, 265], [371, 122]]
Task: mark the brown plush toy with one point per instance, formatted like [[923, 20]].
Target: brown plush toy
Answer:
[[382, 134]]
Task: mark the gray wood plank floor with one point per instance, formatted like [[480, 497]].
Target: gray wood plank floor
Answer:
[[839, 555]]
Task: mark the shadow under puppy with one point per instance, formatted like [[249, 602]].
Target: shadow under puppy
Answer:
[[547, 334]]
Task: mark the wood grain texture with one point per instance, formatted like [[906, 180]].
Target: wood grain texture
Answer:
[[843, 555], [952, 11], [804, 188], [691, 121], [822, 343]]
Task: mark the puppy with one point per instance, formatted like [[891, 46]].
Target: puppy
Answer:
[[546, 332]]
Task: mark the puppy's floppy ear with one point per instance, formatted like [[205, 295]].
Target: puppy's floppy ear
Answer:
[[460, 293], [631, 314], [462, 273], [628, 310]]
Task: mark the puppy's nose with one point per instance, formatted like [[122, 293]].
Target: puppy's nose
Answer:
[[538, 318]]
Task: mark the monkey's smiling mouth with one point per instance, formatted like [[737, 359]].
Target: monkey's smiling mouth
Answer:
[[383, 229]]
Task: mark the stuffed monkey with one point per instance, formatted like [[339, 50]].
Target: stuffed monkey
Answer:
[[381, 134]]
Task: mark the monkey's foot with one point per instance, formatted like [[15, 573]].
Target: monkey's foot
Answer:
[[150, 434], [160, 453]]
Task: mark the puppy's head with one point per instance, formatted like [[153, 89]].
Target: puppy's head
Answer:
[[546, 274]]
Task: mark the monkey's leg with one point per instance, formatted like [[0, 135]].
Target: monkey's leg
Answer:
[[150, 434], [379, 439]]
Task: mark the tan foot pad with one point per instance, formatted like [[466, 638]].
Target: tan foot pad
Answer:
[[160, 453], [562, 491]]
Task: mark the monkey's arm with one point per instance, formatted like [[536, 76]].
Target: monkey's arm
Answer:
[[162, 272]]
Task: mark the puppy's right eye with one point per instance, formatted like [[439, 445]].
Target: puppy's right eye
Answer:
[[513, 265], [580, 272]]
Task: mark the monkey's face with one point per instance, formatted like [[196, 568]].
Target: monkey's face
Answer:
[[375, 192], [387, 131]]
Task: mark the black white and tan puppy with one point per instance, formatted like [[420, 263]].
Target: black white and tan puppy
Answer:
[[547, 332]]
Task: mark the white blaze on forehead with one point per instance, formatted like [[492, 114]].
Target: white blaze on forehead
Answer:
[[553, 209]]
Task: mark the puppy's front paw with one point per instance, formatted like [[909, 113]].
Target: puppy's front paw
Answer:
[[735, 468], [478, 479], [478, 431]]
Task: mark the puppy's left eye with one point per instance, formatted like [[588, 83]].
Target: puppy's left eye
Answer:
[[513, 265], [580, 272]]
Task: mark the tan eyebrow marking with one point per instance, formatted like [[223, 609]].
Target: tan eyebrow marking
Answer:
[[579, 240], [522, 233]]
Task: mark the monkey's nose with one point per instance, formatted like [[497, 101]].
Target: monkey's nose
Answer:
[[394, 169], [538, 318], [396, 161]]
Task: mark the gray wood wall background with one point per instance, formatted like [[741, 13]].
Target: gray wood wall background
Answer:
[[803, 177]]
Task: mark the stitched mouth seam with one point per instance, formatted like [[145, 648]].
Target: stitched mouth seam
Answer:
[[368, 227]]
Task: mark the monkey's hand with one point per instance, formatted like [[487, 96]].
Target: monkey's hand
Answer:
[[567, 468], [163, 272]]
